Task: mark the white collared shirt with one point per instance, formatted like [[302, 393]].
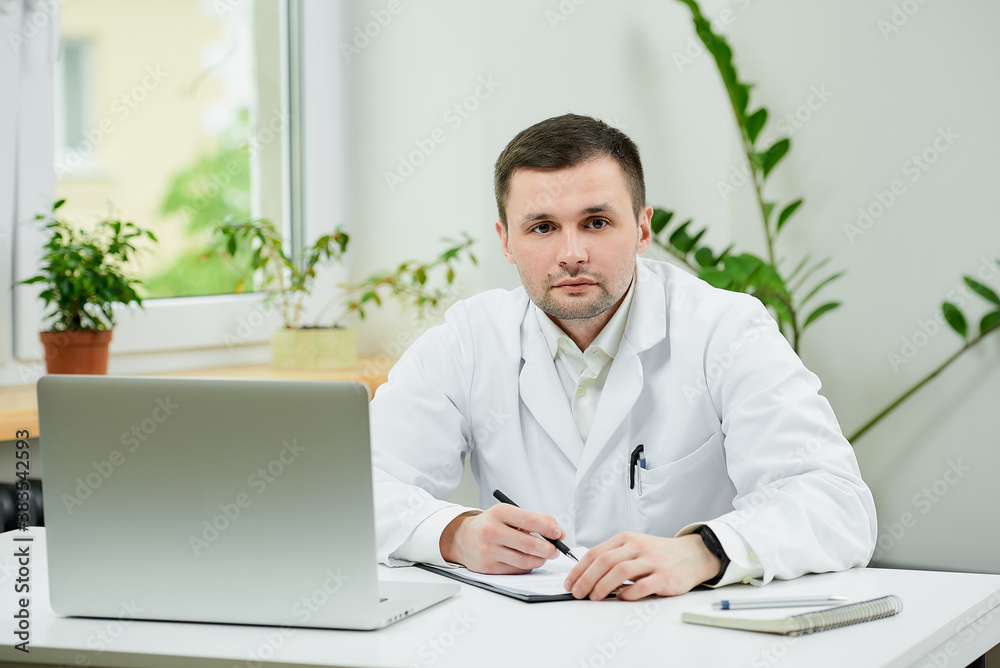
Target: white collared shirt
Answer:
[[583, 374]]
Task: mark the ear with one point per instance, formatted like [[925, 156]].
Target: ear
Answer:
[[645, 231], [504, 242]]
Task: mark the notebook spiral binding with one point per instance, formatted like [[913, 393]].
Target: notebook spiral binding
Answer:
[[845, 615]]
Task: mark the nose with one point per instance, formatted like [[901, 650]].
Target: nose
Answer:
[[572, 249]]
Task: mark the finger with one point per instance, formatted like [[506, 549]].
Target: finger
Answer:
[[529, 544], [597, 571], [579, 569], [527, 520], [592, 554], [642, 588], [635, 570], [497, 532], [557, 533], [517, 562], [583, 584]]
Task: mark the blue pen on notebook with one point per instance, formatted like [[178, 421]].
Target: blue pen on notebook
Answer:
[[791, 602]]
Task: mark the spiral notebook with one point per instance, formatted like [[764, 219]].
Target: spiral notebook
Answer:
[[772, 621]]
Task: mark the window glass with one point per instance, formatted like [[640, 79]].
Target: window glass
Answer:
[[155, 103]]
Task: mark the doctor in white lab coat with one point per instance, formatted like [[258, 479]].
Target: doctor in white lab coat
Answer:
[[551, 388]]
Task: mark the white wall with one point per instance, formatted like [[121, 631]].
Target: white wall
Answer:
[[887, 95]]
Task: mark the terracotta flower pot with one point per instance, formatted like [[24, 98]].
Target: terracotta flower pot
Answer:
[[80, 351]]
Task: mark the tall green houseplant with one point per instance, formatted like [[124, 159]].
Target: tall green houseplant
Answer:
[[785, 294]]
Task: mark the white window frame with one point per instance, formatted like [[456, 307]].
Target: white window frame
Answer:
[[222, 329]]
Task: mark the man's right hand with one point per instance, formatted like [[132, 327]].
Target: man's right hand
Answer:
[[499, 540]]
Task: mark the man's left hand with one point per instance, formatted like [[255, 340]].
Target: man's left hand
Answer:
[[654, 565]]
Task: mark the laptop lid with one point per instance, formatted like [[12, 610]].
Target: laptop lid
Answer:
[[209, 500]]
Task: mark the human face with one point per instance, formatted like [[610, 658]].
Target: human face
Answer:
[[574, 238]]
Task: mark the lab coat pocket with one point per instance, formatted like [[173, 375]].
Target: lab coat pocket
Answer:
[[693, 488]]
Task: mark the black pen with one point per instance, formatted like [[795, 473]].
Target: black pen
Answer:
[[561, 546]]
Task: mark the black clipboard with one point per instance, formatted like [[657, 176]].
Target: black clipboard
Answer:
[[519, 594]]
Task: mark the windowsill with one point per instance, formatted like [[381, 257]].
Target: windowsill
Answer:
[[21, 402]]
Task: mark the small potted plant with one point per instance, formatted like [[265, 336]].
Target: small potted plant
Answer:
[[84, 277], [289, 281]]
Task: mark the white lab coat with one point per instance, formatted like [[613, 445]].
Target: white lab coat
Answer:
[[731, 421]]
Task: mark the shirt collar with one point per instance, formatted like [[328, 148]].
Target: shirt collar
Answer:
[[608, 340]]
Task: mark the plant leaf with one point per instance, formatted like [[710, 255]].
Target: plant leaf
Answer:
[[755, 123], [822, 310], [821, 284], [955, 319], [982, 290], [705, 258], [787, 212], [774, 154], [679, 239], [717, 278], [768, 208], [990, 321], [696, 238], [808, 273], [660, 219], [798, 268]]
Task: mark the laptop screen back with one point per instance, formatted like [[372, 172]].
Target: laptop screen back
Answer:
[[209, 500]]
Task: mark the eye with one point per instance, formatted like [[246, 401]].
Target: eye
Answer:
[[542, 228], [599, 223]]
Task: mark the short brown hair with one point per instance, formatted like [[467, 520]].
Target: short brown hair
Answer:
[[566, 141]]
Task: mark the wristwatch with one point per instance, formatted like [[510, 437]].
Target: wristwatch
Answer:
[[715, 547]]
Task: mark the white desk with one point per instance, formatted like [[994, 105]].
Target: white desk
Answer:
[[949, 619]]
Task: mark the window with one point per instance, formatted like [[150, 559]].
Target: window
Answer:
[[153, 106], [186, 110]]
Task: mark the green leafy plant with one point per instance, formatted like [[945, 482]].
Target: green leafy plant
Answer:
[[957, 321], [84, 271], [787, 294], [407, 283], [289, 280]]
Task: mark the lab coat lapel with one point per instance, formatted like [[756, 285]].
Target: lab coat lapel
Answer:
[[543, 393], [646, 326]]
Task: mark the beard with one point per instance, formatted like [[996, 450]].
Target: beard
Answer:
[[575, 307], [578, 308]]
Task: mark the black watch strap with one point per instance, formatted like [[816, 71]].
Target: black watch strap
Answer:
[[715, 547]]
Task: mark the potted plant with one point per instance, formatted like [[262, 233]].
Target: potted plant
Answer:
[[289, 280], [84, 277]]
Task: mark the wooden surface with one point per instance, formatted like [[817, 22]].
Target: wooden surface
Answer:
[[19, 403]]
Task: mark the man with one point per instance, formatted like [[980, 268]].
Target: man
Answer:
[[742, 474]]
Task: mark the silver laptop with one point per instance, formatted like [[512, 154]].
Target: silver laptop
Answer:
[[237, 501]]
